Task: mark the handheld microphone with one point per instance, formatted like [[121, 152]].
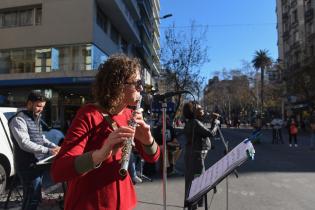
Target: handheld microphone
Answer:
[[168, 95], [216, 115]]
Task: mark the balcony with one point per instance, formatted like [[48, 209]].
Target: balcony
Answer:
[[295, 45], [311, 36], [146, 31], [134, 8], [285, 16], [286, 35], [293, 3], [294, 24], [122, 18], [147, 7], [295, 67], [309, 14]]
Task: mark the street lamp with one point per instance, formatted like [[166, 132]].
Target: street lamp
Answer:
[[166, 16], [163, 17]]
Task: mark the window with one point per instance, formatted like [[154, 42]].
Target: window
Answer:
[[114, 34], [101, 20], [10, 19], [294, 17], [86, 52], [296, 57], [43, 60], [38, 16], [21, 17], [124, 46], [285, 26], [310, 28], [80, 57], [26, 17], [296, 36], [5, 62], [17, 57]]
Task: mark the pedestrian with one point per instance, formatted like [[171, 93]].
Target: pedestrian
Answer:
[[30, 147], [134, 164], [312, 124], [198, 143], [276, 125], [293, 131], [90, 156]]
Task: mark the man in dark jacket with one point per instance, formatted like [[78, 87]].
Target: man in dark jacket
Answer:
[[30, 147]]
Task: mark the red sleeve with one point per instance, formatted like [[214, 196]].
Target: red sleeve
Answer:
[[74, 144]]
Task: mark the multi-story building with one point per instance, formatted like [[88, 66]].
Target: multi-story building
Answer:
[[57, 46], [296, 41]]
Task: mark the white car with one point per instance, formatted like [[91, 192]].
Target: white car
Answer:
[[7, 168], [6, 147]]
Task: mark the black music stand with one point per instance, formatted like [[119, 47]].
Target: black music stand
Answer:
[[40, 165], [219, 171], [141, 175]]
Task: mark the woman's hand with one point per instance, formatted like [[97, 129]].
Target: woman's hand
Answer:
[[143, 131], [113, 142]]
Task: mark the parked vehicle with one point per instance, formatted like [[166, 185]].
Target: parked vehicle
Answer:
[[6, 147]]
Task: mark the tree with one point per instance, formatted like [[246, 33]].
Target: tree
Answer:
[[231, 97], [261, 61], [182, 56]]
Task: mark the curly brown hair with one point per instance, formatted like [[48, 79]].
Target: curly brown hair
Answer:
[[110, 79]]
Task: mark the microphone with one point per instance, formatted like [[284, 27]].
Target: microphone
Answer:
[[216, 115], [168, 95]]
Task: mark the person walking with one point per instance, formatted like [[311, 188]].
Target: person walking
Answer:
[[293, 131], [90, 156], [276, 124], [30, 146], [197, 145]]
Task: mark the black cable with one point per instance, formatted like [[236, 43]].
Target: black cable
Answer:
[[220, 25]]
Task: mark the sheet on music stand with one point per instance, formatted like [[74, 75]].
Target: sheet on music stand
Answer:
[[220, 169]]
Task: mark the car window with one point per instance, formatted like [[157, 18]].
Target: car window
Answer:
[[8, 115]]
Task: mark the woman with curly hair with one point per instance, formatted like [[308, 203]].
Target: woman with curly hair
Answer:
[[89, 158]]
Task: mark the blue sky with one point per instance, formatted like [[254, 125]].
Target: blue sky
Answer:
[[236, 28]]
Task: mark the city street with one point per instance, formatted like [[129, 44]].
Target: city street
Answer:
[[280, 177]]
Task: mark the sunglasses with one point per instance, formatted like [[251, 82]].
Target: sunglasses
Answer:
[[138, 84]]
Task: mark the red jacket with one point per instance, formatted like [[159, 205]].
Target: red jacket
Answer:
[[101, 188]]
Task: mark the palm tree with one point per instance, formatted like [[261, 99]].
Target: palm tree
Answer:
[[261, 61]]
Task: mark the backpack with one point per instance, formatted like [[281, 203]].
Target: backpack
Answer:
[[293, 129]]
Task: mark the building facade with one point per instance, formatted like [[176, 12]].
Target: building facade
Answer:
[[57, 46], [296, 41]]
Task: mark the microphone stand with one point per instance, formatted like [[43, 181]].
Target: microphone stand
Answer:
[[226, 150], [162, 98], [164, 107]]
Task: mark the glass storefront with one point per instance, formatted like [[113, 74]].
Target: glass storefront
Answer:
[[60, 108], [83, 57]]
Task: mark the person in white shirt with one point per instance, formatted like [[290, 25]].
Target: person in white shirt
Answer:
[[277, 124]]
